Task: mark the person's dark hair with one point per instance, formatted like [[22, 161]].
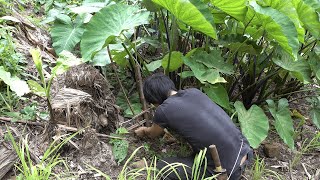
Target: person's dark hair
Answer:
[[156, 88]]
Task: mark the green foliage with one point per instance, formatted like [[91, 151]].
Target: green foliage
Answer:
[[283, 121], [27, 113], [192, 12], [10, 60], [17, 85], [100, 31], [137, 108], [279, 27], [135, 104], [253, 122], [259, 171], [202, 72], [43, 170], [65, 61], [308, 16], [119, 146], [236, 9], [248, 50], [176, 58], [65, 33], [150, 172], [299, 69], [315, 110], [218, 94], [306, 146]]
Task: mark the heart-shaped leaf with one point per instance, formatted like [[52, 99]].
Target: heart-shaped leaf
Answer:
[[109, 23], [65, 33], [283, 121], [175, 61], [254, 123], [203, 73], [279, 27], [308, 15], [154, 65], [214, 60], [218, 94], [194, 13], [17, 85], [236, 9]]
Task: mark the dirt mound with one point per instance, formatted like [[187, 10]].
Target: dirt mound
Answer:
[[82, 98]]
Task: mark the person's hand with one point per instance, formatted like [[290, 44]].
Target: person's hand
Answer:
[[140, 132]]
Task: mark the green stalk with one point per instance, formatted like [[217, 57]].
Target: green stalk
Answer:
[[207, 44], [118, 79], [168, 41], [131, 58], [8, 105]]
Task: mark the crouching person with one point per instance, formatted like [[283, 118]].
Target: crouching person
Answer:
[[191, 114]]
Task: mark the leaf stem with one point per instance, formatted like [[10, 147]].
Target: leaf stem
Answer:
[[118, 79]]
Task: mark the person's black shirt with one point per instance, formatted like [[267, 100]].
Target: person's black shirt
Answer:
[[191, 114]]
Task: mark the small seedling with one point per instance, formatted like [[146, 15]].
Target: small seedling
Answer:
[[119, 146], [306, 146]]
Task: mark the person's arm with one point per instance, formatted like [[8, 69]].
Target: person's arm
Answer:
[[152, 132]]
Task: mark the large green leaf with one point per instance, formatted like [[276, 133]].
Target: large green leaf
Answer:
[[286, 7], [218, 94], [175, 61], [283, 121], [314, 62], [254, 123], [278, 27], [36, 88], [315, 110], [101, 58], [236, 9], [202, 73], [214, 60], [65, 61], [89, 7], [242, 47], [65, 33], [299, 69], [17, 85], [194, 13], [108, 23], [154, 65], [315, 4], [308, 15]]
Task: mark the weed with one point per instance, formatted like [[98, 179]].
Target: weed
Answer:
[[306, 146], [9, 58], [150, 171], [259, 170], [119, 146], [44, 169]]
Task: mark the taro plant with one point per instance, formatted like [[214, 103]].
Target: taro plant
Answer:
[[65, 61], [249, 51]]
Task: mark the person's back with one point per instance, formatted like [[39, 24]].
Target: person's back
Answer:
[[197, 119], [202, 123]]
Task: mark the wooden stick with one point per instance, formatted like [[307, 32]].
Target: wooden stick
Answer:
[[141, 95], [72, 129], [136, 125], [22, 122], [136, 116]]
